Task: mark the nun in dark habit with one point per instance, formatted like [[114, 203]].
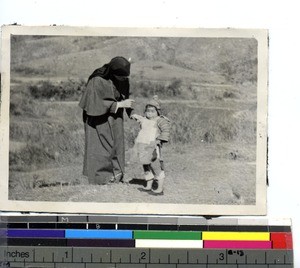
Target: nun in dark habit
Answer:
[[103, 103]]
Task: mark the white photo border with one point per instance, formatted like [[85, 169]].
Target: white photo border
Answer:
[[261, 35]]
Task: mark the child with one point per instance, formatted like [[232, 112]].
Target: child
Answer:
[[155, 130]]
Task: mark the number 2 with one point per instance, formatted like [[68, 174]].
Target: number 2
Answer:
[[143, 255]]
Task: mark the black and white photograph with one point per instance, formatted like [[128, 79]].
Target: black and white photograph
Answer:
[[133, 120]]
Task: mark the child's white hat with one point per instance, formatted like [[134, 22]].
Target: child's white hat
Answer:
[[154, 102]]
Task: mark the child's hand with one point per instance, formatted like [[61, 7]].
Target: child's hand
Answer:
[[133, 116]]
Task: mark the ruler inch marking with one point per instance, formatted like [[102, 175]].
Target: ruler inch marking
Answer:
[[265, 256], [284, 259], [226, 256]]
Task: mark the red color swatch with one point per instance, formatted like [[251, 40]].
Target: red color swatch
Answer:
[[282, 240]]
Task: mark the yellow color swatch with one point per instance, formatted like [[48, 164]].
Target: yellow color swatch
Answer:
[[243, 236]]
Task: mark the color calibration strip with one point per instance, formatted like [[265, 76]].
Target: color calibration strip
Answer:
[[147, 239]]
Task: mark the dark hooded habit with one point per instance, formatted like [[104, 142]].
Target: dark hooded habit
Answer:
[[104, 155]]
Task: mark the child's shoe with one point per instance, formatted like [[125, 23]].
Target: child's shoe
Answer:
[[160, 181]]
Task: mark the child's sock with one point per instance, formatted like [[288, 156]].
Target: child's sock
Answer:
[[149, 176]]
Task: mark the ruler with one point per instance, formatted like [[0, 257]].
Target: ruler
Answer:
[[144, 242], [141, 258]]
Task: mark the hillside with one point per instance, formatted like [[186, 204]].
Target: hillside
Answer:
[[198, 59]]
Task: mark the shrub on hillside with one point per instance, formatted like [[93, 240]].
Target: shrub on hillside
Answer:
[[22, 105], [46, 144], [174, 88], [147, 89], [65, 90], [30, 155], [25, 70], [240, 71], [192, 125]]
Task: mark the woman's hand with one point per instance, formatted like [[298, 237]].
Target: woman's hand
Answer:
[[126, 103]]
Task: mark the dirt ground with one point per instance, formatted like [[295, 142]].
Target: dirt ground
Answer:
[[209, 174]]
